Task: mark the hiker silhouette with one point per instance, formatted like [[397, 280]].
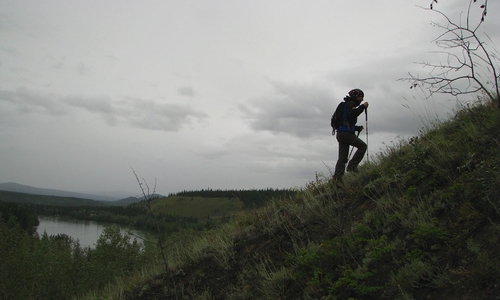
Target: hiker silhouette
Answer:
[[346, 134]]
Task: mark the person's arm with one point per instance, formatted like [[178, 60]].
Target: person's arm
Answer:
[[357, 111]]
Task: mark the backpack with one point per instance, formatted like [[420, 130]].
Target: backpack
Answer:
[[336, 120]]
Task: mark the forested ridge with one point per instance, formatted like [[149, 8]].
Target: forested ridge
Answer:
[[251, 198]]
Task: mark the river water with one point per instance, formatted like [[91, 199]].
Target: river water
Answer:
[[87, 232]]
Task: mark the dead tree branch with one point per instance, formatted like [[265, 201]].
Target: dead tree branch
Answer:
[[148, 198], [471, 65]]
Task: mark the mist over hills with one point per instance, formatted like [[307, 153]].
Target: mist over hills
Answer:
[[20, 188]]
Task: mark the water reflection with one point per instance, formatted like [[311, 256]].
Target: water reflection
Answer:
[[87, 232]]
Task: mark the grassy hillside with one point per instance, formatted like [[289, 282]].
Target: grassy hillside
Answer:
[[422, 221]]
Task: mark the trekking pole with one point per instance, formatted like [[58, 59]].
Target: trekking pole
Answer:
[[366, 127]]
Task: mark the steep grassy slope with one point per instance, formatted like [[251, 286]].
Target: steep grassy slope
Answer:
[[420, 222]]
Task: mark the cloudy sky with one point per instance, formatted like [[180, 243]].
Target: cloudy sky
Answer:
[[204, 94]]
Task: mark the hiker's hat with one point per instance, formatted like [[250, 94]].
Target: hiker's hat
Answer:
[[356, 93]]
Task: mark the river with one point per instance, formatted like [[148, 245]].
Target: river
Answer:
[[87, 232]]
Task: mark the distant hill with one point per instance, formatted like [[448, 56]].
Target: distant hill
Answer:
[[125, 202], [19, 188], [25, 198], [131, 200]]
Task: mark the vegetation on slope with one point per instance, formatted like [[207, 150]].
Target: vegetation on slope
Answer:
[[249, 198], [421, 222]]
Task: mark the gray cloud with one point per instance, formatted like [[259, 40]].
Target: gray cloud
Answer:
[[135, 112], [24, 101], [94, 105], [186, 91], [148, 114], [81, 69], [298, 110]]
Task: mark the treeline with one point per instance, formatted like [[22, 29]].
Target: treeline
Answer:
[[57, 267], [250, 198], [18, 215]]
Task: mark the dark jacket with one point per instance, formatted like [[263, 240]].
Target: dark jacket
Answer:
[[352, 110]]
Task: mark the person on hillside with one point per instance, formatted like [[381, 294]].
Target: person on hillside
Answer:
[[346, 134]]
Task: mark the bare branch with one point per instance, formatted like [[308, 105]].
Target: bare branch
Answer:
[[470, 67], [147, 200], [483, 6]]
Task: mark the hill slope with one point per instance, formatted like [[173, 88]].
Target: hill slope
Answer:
[[421, 222]]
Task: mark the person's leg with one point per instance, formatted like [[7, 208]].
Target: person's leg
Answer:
[[343, 140], [358, 155]]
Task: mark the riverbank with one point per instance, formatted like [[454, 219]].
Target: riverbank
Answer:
[[86, 232]]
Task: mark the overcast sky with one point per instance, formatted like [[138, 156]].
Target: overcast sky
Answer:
[[204, 94]]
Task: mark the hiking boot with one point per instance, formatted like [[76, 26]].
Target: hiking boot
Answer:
[[352, 169]]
